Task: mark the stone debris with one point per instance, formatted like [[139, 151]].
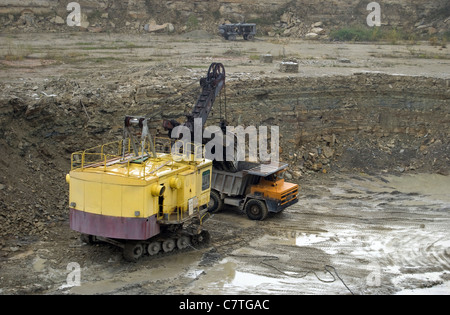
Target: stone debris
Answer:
[[267, 58], [311, 36], [152, 27], [289, 66]]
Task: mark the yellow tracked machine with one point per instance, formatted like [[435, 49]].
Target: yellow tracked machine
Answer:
[[137, 197]]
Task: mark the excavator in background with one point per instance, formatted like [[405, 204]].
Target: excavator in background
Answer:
[[255, 188]]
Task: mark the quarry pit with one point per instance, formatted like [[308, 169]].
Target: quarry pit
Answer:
[[364, 128]]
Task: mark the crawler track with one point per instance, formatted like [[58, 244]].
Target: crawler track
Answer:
[[159, 245]]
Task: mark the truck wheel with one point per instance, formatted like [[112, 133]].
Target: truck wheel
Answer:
[[256, 209], [215, 203]]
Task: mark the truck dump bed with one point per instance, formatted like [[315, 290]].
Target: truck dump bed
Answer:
[[234, 184]]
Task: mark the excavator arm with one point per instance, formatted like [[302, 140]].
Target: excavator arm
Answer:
[[211, 86]]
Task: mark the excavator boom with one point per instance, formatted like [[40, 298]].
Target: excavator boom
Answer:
[[211, 86]]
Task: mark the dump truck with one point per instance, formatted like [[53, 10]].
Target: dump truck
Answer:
[[255, 188]]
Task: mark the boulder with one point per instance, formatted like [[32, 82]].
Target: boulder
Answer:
[[311, 36], [59, 20], [84, 24], [267, 58], [151, 28], [318, 30], [287, 18], [170, 27], [328, 152], [155, 28], [289, 66]]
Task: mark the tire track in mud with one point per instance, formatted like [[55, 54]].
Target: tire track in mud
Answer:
[[419, 254]]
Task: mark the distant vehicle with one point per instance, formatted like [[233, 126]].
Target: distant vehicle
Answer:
[[230, 31]]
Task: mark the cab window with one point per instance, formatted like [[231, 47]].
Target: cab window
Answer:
[[206, 179]]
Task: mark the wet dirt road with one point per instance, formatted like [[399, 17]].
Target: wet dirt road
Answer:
[[355, 234]]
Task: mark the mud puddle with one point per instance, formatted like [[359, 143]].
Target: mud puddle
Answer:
[[141, 276]]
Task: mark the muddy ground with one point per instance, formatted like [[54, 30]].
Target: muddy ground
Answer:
[[355, 230], [349, 234]]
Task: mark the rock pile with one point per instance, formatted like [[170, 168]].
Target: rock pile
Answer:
[[290, 25], [289, 66]]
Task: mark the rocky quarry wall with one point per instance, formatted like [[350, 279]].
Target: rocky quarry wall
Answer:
[[282, 17], [378, 121], [368, 121]]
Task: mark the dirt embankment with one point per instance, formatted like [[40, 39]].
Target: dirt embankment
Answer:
[[370, 122]]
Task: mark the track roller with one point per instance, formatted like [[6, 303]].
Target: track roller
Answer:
[[168, 245], [132, 251], [154, 248], [201, 238], [183, 242]]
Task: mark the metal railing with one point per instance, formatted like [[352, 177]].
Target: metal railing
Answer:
[[103, 156], [98, 155]]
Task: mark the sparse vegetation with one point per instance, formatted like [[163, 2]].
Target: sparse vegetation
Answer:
[[15, 52], [375, 34], [192, 23]]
